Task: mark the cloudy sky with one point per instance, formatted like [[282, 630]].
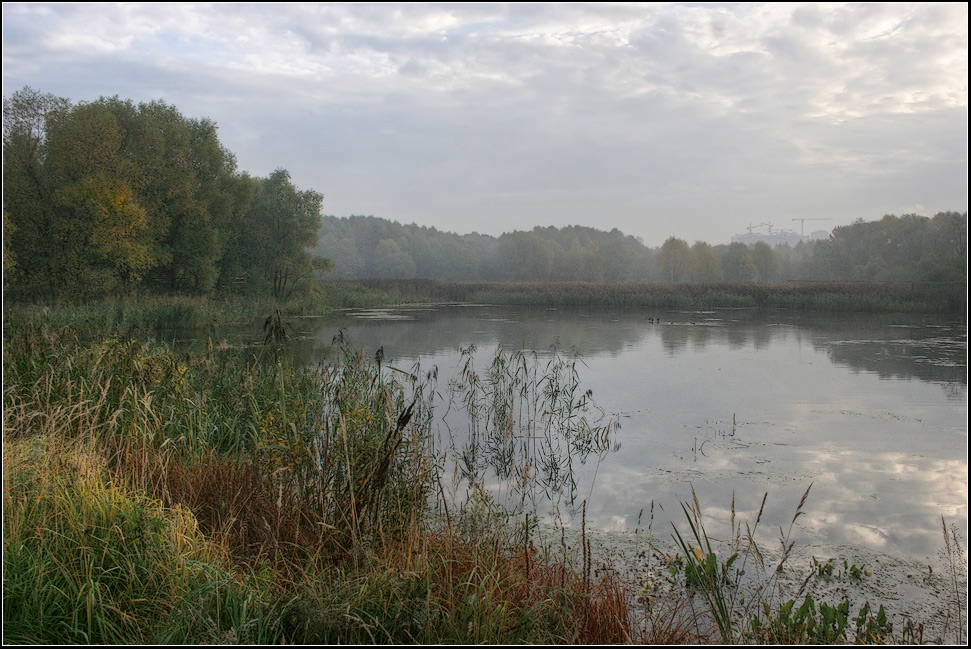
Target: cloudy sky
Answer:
[[687, 120]]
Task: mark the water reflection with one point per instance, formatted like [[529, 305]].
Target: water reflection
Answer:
[[902, 346]]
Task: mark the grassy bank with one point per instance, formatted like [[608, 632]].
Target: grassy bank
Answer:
[[225, 497], [137, 316]]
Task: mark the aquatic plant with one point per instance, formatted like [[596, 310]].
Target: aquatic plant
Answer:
[[527, 422], [744, 600], [719, 581]]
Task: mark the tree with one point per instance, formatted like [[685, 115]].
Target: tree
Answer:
[[235, 262], [82, 156], [9, 256], [738, 264], [27, 192], [281, 227], [705, 266], [621, 257], [119, 243], [675, 260], [100, 193], [765, 261], [391, 262], [178, 167], [525, 257], [946, 255]]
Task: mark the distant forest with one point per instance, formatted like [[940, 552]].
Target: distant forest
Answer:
[[904, 248], [112, 198]]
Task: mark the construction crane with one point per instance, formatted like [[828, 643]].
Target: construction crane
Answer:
[[752, 227], [802, 224]]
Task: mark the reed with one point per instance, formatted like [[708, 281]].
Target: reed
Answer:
[[528, 422], [956, 573], [914, 297]]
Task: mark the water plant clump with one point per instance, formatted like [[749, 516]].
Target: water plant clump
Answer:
[[527, 422], [737, 590]]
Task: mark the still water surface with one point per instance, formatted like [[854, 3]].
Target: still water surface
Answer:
[[870, 410]]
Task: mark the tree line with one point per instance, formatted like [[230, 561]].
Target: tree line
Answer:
[[905, 248], [109, 197]]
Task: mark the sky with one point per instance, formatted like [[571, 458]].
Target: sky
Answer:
[[687, 120]]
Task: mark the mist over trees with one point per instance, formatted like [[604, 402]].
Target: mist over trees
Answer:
[[365, 247], [113, 198], [905, 248]]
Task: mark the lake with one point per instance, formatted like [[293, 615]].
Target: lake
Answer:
[[871, 410]]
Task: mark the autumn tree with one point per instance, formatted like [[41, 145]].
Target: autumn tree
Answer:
[[118, 246], [765, 261], [83, 167], [110, 195]]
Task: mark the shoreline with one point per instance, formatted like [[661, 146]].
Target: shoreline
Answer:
[[917, 590]]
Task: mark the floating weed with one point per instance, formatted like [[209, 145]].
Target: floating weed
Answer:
[[827, 569], [823, 569], [815, 622]]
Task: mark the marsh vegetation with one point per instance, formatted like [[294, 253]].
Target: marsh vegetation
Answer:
[[232, 494], [151, 496]]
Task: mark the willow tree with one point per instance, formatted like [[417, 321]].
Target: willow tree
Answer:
[[280, 228], [27, 192]]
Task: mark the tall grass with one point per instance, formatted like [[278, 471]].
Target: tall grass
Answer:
[[956, 573], [140, 317], [88, 560], [225, 496], [719, 581]]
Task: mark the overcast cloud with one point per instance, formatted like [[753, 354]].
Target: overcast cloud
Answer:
[[658, 119]]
